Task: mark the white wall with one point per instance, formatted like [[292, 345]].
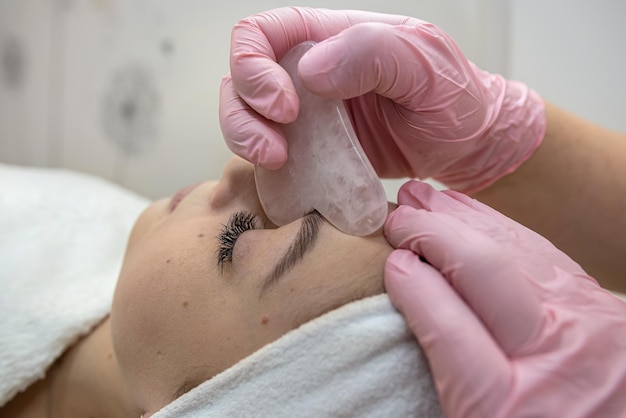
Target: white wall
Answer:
[[128, 89], [574, 53]]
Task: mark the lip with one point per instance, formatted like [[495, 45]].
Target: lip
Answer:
[[180, 195]]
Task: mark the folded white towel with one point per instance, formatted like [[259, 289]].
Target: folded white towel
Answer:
[[62, 239], [359, 360]]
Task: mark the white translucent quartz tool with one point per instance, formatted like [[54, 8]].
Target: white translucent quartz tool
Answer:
[[326, 168]]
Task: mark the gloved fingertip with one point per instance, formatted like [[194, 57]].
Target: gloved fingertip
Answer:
[[415, 185], [415, 193], [401, 269], [273, 161], [283, 109], [398, 224], [314, 69], [393, 215]]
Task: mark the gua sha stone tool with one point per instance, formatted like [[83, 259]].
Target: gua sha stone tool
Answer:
[[326, 168]]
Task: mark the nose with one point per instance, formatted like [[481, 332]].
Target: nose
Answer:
[[237, 186], [237, 169]]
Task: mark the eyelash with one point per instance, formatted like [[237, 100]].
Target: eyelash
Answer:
[[238, 223]]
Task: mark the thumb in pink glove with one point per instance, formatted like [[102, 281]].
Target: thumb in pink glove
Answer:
[[511, 326], [419, 107]]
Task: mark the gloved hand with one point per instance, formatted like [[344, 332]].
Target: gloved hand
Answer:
[[511, 326], [419, 107]]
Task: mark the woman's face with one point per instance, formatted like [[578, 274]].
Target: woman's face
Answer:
[[196, 294]]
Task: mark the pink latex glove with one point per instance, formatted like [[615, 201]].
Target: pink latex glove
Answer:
[[511, 326], [419, 107]]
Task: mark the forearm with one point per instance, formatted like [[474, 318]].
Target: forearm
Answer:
[[573, 191]]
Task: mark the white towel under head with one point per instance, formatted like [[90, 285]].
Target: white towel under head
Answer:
[[62, 239], [359, 360]]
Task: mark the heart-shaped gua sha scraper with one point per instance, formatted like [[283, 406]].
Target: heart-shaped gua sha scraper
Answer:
[[326, 168]]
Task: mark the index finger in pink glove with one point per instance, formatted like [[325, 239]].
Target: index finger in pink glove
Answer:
[[422, 195], [478, 268]]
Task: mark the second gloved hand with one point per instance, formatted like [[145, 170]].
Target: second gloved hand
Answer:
[[419, 107], [511, 326]]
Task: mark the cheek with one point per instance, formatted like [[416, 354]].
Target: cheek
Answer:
[[159, 298], [141, 309], [150, 217], [174, 314]]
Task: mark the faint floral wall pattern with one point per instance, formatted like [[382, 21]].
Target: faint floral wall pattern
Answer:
[[12, 63], [130, 110]]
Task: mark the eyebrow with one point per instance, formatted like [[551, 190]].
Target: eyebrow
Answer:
[[305, 241]]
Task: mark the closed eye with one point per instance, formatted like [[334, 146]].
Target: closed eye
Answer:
[[238, 223]]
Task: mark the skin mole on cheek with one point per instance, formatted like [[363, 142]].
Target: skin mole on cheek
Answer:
[[185, 304], [200, 235], [169, 260], [265, 320]]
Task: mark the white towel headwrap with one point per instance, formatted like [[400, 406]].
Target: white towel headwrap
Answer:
[[359, 360]]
